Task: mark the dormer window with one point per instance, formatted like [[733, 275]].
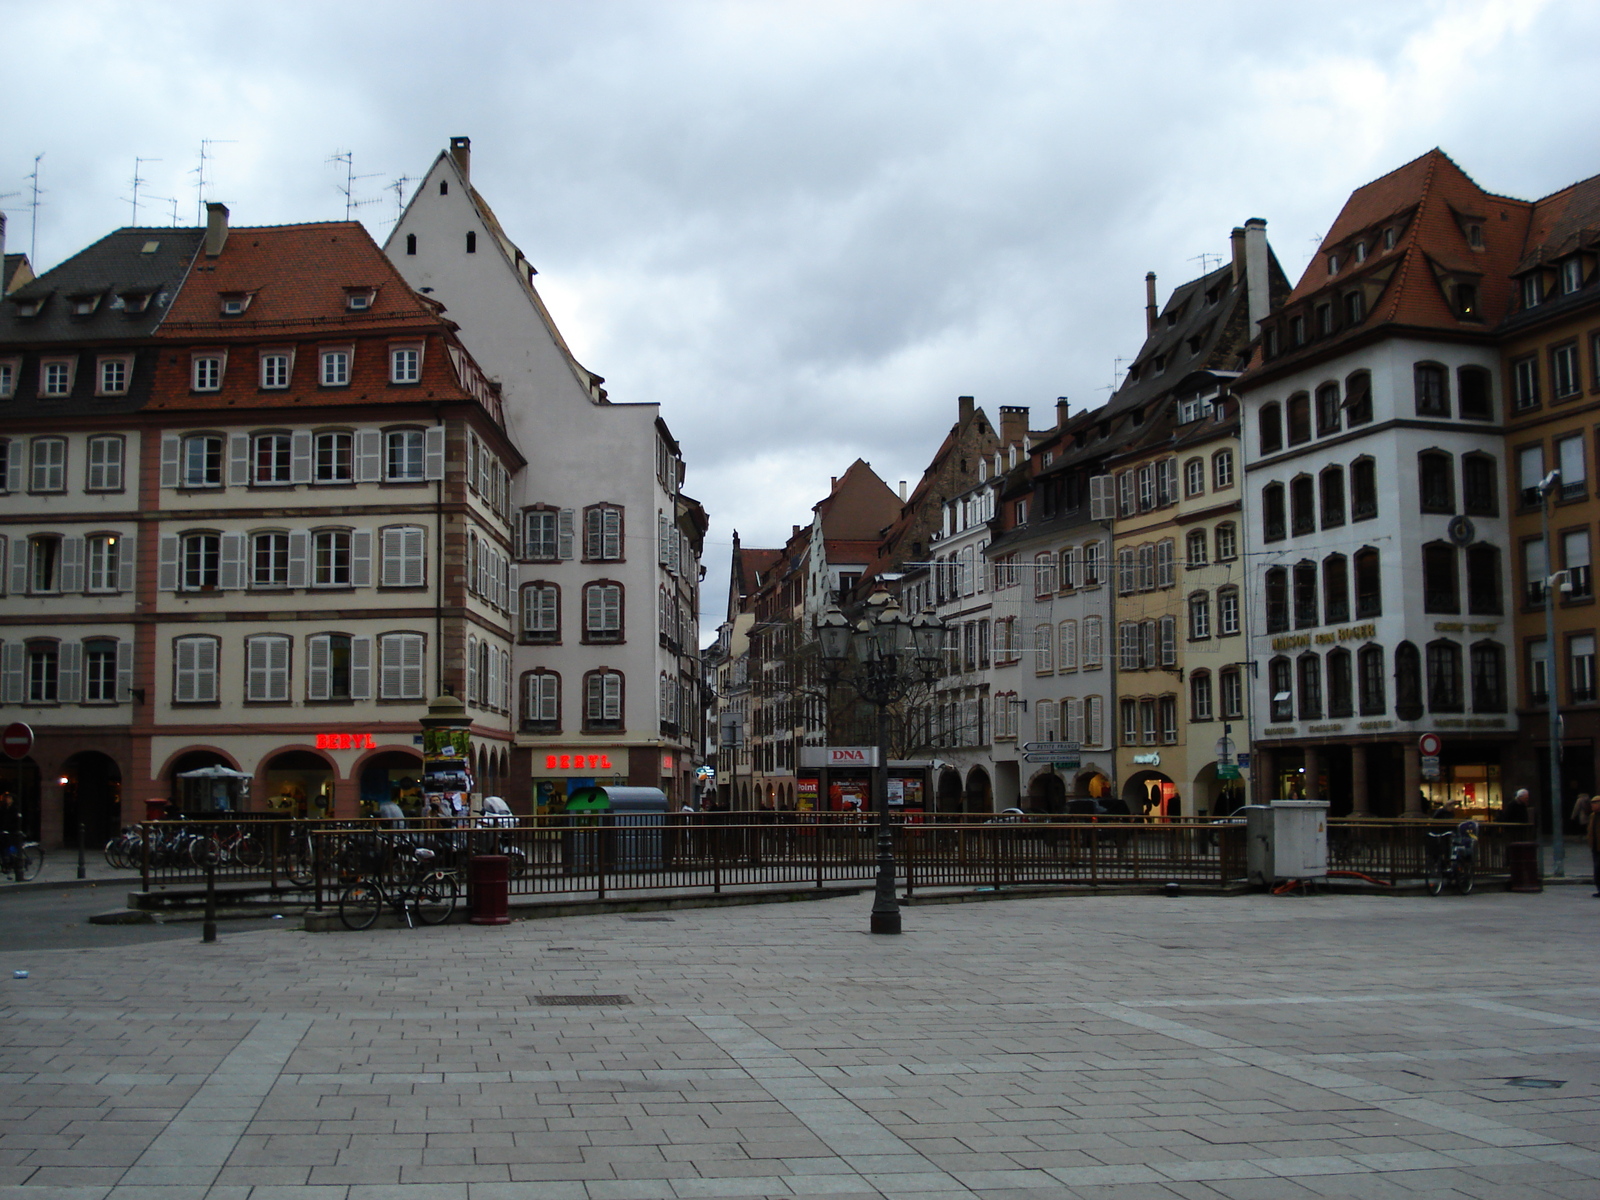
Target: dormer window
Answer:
[[1361, 252], [1269, 342], [359, 299], [1159, 364], [1297, 331], [30, 307], [234, 303], [1212, 294], [135, 302], [1475, 236], [84, 304], [1571, 275], [1333, 264], [1532, 291], [1389, 238]]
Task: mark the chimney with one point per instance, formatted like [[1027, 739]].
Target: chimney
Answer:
[[216, 228], [794, 531], [1255, 270], [1149, 303], [461, 151], [964, 408], [1237, 237], [1013, 425], [833, 484], [1063, 410], [902, 491]]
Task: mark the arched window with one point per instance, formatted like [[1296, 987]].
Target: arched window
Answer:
[[602, 612], [1277, 596], [1273, 523], [1369, 587], [1335, 589], [1474, 394], [1310, 672], [1280, 685], [1436, 481], [1194, 477], [1363, 490], [1305, 595], [1199, 616], [1369, 663], [1358, 398], [1299, 418], [1407, 682], [602, 701], [1444, 676], [1432, 383], [1269, 426], [1441, 588], [1302, 506], [1227, 544], [1194, 548], [1331, 482], [1483, 580], [1488, 678], [1200, 696], [1328, 410], [1341, 699]]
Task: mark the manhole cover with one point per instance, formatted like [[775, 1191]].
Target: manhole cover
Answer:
[[572, 1001], [1525, 1081]]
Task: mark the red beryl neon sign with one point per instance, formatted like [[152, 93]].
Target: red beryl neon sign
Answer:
[[345, 741], [577, 762]]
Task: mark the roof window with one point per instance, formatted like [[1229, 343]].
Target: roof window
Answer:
[[359, 299], [1361, 252], [234, 303], [84, 303], [30, 307], [149, 247], [135, 302], [1333, 264]]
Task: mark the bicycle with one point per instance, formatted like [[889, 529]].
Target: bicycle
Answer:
[[23, 862], [429, 895], [1450, 857]]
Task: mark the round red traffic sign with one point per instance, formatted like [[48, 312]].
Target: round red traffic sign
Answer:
[[17, 740], [1428, 743]]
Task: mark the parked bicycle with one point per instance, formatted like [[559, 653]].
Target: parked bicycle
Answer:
[[1449, 859], [424, 893], [22, 862]]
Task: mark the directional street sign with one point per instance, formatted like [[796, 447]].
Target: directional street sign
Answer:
[[17, 740], [1056, 748], [1060, 760]]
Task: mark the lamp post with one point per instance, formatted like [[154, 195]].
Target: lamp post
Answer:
[[882, 657]]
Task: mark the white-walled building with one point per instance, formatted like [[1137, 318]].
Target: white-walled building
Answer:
[[606, 545]]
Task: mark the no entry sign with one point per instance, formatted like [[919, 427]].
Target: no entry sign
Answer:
[[16, 740]]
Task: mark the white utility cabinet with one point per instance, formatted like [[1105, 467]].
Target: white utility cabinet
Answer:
[[1287, 839]]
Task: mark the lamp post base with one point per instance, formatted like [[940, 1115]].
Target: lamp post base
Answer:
[[886, 922]]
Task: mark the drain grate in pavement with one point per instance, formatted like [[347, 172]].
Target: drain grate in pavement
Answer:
[[1528, 1082], [574, 1001]]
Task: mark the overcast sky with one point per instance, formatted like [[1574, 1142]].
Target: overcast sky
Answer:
[[803, 228]]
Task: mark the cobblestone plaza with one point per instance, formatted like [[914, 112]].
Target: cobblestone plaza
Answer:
[[1124, 1047]]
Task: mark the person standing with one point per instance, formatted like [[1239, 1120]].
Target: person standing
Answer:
[[11, 832], [1594, 840], [1580, 810], [1516, 811]]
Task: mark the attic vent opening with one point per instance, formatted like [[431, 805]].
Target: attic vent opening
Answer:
[[444, 187], [472, 241]]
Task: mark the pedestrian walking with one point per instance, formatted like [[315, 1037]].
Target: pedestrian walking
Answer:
[[1515, 810], [1594, 841], [11, 833], [1580, 810]]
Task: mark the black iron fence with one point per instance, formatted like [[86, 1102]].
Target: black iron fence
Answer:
[[602, 854]]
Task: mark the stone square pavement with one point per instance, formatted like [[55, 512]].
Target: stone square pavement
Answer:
[[1122, 1047]]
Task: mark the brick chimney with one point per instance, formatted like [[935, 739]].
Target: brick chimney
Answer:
[[1014, 425], [216, 228], [1237, 238], [1149, 302], [461, 151], [965, 406], [1063, 410]]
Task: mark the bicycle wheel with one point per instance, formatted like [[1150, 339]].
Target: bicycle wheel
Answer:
[[117, 853], [1433, 874], [29, 861], [434, 898], [247, 851], [204, 851], [1464, 877], [359, 905], [298, 864]]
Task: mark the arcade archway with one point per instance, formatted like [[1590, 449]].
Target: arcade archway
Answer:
[[93, 795]]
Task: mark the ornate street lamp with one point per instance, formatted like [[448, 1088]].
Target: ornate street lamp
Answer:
[[882, 657]]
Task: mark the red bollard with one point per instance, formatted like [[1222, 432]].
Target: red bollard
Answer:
[[487, 889]]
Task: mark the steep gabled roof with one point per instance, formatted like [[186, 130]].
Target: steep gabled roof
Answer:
[[1561, 223], [859, 507], [148, 263]]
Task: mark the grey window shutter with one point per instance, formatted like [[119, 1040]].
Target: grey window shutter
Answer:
[[369, 455], [231, 575], [72, 564], [124, 671], [170, 449], [168, 574], [664, 553], [69, 673], [238, 459], [11, 654], [19, 566], [565, 535], [433, 452], [125, 563], [300, 456], [361, 558], [299, 552], [511, 586], [317, 666], [14, 465], [361, 668]]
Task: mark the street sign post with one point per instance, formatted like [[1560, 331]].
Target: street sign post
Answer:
[[16, 740], [1430, 766], [1428, 745], [1051, 757], [1059, 749]]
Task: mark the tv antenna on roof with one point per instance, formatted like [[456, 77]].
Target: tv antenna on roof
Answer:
[[135, 182], [398, 187], [1205, 259], [172, 200], [348, 158], [1116, 370], [200, 172], [33, 219]]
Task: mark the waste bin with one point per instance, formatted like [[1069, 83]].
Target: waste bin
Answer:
[[1522, 859], [486, 889]]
